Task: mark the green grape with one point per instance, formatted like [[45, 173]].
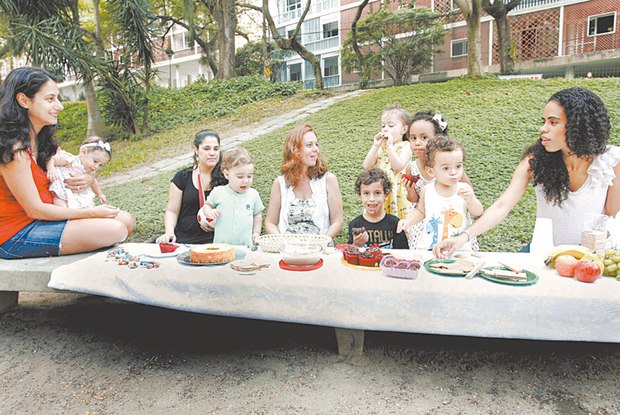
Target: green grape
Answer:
[[611, 269], [616, 258], [607, 262]]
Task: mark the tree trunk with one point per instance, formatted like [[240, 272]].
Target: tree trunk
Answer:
[[96, 125], [499, 10], [364, 70], [506, 61], [474, 53], [471, 10], [226, 15]]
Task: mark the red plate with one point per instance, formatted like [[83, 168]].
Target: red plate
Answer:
[[287, 267]]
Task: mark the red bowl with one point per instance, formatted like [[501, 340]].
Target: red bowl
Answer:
[[369, 262], [353, 259], [166, 247]]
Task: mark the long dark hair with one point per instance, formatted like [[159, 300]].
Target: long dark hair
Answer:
[[587, 134], [14, 122], [217, 177]]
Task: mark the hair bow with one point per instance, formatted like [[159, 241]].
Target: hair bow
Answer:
[[100, 144], [442, 124]]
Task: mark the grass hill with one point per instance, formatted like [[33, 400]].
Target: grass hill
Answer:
[[495, 120]]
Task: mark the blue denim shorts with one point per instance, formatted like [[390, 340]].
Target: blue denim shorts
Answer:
[[39, 239]]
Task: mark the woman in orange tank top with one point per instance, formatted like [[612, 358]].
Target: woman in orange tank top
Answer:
[[30, 224]]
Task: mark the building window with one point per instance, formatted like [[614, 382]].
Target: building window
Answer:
[[293, 5], [458, 48], [295, 72], [330, 66], [180, 41], [602, 24], [453, 5], [330, 30], [289, 35]]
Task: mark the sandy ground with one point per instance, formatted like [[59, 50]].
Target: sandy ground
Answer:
[[79, 354]]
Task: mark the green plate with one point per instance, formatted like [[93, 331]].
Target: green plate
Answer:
[[444, 274], [531, 277]]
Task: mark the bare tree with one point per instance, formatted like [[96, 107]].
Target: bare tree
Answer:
[[499, 10], [471, 10], [292, 42]]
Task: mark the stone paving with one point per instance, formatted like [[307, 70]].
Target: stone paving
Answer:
[[177, 163]]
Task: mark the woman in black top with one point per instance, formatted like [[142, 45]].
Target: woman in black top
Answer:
[[180, 221]]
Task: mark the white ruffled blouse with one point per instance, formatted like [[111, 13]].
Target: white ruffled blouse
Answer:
[[583, 207]]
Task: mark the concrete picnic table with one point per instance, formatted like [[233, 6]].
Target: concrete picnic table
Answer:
[[353, 300]]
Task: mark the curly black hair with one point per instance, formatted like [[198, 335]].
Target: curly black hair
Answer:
[[428, 116], [368, 177], [217, 177], [587, 134], [14, 121]]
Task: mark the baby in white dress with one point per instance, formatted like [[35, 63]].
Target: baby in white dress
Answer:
[[94, 152]]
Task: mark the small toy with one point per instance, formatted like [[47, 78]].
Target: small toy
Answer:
[[122, 257]]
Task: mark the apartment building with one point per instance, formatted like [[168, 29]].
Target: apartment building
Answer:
[[550, 37]]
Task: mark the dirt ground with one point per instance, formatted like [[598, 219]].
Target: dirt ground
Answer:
[[79, 354]]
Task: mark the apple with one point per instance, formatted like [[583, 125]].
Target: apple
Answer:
[[565, 265], [587, 271]]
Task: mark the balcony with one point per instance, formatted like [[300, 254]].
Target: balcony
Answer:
[[323, 44], [530, 4], [315, 8]]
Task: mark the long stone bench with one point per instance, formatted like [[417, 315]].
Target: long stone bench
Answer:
[[31, 274]]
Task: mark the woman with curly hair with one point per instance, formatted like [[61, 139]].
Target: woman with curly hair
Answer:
[[575, 173], [30, 224], [306, 198]]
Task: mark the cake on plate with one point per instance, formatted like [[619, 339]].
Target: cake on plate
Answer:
[[211, 253]]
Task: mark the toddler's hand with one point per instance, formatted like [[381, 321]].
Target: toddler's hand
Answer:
[[360, 239], [466, 192], [101, 197], [389, 138], [212, 213], [53, 174], [378, 139]]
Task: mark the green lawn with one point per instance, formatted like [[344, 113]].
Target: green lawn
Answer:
[[495, 120]]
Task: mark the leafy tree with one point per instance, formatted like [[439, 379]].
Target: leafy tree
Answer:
[[499, 10], [399, 42], [471, 10], [250, 61], [50, 35], [136, 33]]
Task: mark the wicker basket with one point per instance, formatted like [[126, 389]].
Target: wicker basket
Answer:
[[273, 242]]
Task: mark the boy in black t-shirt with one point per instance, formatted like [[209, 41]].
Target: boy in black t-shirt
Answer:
[[374, 226]]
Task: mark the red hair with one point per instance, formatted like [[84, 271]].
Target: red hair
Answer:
[[292, 166]]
